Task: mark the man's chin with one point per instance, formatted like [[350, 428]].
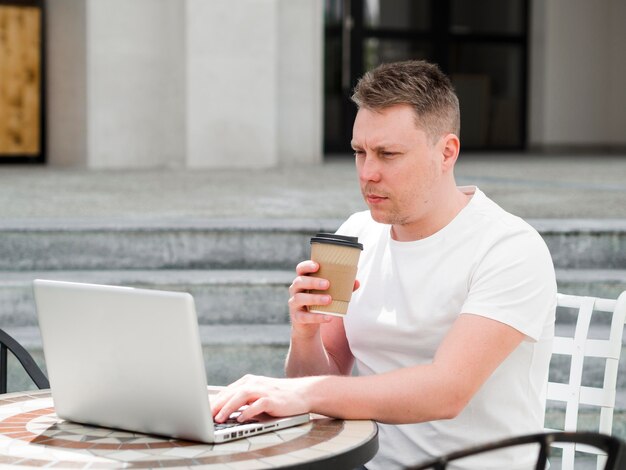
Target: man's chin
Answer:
[[381, 217], [386, 217]]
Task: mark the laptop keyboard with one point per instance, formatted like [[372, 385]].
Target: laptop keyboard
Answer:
[[228, 424], [232, 421]]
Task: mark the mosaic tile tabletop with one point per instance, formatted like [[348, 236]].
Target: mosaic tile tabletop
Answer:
[[32, 436]]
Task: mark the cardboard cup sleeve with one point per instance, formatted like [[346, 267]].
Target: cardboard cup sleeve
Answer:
[[338, 263]]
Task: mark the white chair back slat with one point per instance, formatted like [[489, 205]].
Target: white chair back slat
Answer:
[[577, 361], [579, 447], [573, 301], [573, 394], [597, 396], [563, 345], [559, 392], [606, 305], [601, 348], [606, 420]]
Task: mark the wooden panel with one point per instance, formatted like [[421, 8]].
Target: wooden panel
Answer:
[[20, 77]]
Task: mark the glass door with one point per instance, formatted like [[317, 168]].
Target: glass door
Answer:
[[482, 45]]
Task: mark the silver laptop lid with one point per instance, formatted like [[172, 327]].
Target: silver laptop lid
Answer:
[[125, 358]]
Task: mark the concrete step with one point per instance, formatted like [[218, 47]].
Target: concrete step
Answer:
[[230, 351], [584, 243], [66, 244], [234, 296], [156, 244], [221, 296], [604, 283]]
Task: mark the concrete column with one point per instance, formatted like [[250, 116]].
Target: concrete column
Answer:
[[254, 82], [232, 83], [115, 83], [301, 82], [616, 88], [136, 91], [191, 83], [577, 69], [66, 84]]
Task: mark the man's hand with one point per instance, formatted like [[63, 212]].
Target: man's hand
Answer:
[[318, 342], [276, 397], [304, 322]]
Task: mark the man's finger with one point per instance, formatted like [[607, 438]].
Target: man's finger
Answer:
[[307, 267], [262, 405], [233, 404]]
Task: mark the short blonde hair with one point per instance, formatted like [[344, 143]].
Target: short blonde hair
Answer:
[[417, 83]]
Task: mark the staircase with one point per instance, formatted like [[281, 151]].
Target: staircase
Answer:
[[238, 272]]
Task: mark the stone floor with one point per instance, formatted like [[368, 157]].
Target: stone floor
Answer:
[[529, 185]]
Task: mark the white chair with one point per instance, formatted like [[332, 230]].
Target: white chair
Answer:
[[579, 346], [613, 448]]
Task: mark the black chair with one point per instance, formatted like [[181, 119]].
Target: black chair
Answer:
[[614, 448], [7, 343]]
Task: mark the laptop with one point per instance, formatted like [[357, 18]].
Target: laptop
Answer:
[[131, 359]]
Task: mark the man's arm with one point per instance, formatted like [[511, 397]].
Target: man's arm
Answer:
[[318, 342], [471, 351]]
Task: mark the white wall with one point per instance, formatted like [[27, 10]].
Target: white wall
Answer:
[[136, 91], [300, 78], [184, 83], [577, 69], [254, 82], [232, 82]]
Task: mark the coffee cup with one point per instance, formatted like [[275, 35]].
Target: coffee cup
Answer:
[[338, 257]]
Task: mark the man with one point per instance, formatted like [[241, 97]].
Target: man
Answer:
[[452, 323]]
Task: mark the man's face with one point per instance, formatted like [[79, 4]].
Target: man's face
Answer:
[[398, 165]]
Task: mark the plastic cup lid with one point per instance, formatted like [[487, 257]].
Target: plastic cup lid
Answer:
[[334, 239]]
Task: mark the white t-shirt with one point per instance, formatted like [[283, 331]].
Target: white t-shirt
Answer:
[[485, 262]]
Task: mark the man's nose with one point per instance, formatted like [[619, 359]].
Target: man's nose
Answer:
[[369, 169]]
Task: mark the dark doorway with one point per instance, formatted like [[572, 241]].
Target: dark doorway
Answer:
[[482, 45]]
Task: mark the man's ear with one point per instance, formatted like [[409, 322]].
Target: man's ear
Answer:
[[450, 148]]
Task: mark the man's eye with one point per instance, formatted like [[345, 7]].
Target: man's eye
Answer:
[[359, 153]]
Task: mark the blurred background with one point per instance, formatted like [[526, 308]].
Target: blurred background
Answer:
[[196, 145], [266, 83]]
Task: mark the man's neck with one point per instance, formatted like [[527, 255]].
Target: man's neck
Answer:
[[455, 201]]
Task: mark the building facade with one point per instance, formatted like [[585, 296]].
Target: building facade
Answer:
[[265, 83]]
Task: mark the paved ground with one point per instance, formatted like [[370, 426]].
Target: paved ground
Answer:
[[532, 186]]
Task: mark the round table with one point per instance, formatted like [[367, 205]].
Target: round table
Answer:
[[31, 435]]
